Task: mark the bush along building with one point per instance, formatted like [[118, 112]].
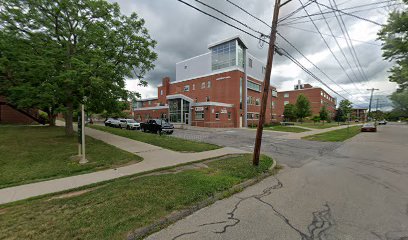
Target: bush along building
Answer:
[[317, 96], [221, 88]]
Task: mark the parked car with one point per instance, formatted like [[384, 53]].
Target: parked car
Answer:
[[108, 122], [131, 124], [115, 123], [157, 126], [369, 127], [383, 122]]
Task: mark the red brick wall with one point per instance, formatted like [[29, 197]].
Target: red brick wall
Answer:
[[314, 96], [225, 88], [11, 116]]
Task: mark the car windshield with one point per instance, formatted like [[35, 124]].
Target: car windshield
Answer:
[[131, 121]]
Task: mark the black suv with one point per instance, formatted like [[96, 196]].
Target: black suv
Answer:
[[157, 126]]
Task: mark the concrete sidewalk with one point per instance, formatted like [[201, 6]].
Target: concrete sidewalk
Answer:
[[313, 132], [153, 158]]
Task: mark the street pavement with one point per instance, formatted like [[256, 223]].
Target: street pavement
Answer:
[[356, 190], [290, 152]]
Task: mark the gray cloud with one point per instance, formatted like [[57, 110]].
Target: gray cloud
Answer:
[[182, 33]]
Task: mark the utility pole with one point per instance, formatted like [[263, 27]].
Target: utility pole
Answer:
[[371, 99], [266, 83]]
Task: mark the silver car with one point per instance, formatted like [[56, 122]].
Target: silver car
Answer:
[[131, 124]]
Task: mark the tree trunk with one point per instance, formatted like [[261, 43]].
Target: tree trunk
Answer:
[[51, 119], [69, 128]]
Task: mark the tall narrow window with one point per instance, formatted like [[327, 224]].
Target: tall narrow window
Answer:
[[208, 84], [250, 62], [193, 87], [202, 85]]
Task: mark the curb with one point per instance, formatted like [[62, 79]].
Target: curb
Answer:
[[176, 216]]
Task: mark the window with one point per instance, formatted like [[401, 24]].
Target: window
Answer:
[[229, 115], [207, 98], [193, 87], [256, 115], [254, 86], [273, 104], [202, 85], [223, 55], [217, 116], [208, 84], [150, 103], [199, 115], [186, 88], [250, 62], [185, 67], [286, 95], [161, 92], [274, 93], [258, 102], [321, 93], [285, 102]]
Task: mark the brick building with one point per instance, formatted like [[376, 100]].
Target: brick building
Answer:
[[9, 114], [316, 95], [359, 114], [210, 90]]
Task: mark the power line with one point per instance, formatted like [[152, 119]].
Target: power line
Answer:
[[328, 47], [234, 19], [297, 20], [349, 14], [304, 56], [344, 9], [349, 43], [250, 14], [311, 31], [219, 19], [294, 12]]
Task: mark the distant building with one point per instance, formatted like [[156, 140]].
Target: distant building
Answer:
[[220, 88], [316, 95], [359, 114]]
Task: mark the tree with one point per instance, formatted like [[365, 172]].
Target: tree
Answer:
[[400, 101], [88, 47], [324, 113], [395, 45], [303, 107], [339, 117], [316, 119], [345, 108], [289, 112]]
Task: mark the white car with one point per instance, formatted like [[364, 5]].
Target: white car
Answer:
[[131, 124], [115, 123]]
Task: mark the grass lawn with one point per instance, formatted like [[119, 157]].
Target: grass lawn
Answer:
[[113, 209], [335, 136], [286, 129], [31, 154], [164, 141], [317, 125]]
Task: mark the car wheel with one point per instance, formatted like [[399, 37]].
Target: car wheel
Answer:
[[171, 132], [127, 128], [144, 129]]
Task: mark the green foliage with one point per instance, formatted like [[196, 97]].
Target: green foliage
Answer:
[[290, 112], [303, 108], [400, 101], [344, 111], [395, 45], [316, 119], [339, 135], [324, 113], [70, 52]]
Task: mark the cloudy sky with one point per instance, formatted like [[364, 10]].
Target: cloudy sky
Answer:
[[182, 32]]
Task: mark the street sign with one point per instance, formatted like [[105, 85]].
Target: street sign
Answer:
[[79, 129]]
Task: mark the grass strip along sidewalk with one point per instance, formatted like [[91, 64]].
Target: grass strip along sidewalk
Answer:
[[281, 128], [32, 154], [113, 209], [164, 141], [339, 135]]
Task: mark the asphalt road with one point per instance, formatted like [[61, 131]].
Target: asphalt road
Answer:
[[358, 190], [293, 153]]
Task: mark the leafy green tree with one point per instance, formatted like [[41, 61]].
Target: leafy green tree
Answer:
[[395, 45], [324, 113], [339, 117], [400, 101], [289, 112], [316, 119], [303, 108], [345, 107], [87, 46]]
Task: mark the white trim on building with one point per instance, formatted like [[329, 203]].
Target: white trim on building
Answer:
[[176, 96], [151, 108], [218, 104]]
